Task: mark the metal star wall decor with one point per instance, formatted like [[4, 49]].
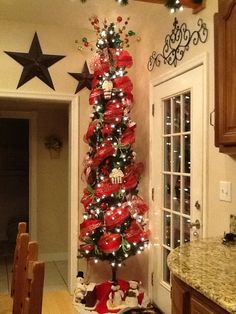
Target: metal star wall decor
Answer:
[[35, 63], [84, 78]]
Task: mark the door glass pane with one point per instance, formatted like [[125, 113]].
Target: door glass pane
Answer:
[[186, 195], [176, 230], [187, 112], [176, 154], [176, 114], [187, 162], [176, 193], [167, 191], [167, 153], [186, 229], [166, 271], [167, 116], [167, 226]]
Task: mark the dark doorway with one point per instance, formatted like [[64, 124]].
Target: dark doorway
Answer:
[[14, 180]]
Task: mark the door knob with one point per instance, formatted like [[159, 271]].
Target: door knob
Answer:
[[195, 224]]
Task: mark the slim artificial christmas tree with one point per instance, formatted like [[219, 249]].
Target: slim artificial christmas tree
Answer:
[[113, 228]]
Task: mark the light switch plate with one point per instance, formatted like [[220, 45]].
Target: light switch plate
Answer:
[[232, 224], [225, 191]]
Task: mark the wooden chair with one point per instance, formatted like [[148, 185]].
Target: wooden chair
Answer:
[[27, 277], [21, 229], [34, 298]]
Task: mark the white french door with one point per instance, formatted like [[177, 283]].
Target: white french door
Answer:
[[176, 172]]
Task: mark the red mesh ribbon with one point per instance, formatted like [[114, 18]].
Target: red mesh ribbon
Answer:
[[106, 189], [135, 233], [138, 206], [109, 242], [106, 130], [104, 150], [95, 96], [99, 65], [90, 131], [129, 182], [123, 59], [86, 247], [123, 83], [113, 115], [115, 217], [88, 226], [135, 169], [87, 198], [128, 136]]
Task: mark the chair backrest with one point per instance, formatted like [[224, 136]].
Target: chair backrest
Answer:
[[19, 272], [21, 229], [34, 298], [27, 276]]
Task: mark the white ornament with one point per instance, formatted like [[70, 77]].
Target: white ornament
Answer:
[[116, 176], [107, 86]]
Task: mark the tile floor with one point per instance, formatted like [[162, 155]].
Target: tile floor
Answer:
[[55, 275]]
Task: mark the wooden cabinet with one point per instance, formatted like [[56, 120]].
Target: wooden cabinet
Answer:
[[186, 300], [225, 77]]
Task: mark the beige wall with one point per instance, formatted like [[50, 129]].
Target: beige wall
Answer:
[[52, 186]]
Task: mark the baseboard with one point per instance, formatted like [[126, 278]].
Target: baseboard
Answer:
[[49, 257]]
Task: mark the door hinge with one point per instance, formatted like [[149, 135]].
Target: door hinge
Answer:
[[153, 191], [153, 110], [152, 279]]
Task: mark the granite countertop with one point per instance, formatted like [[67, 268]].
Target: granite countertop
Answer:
[[208, 266]]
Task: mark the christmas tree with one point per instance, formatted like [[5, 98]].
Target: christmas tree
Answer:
[[113, 228]]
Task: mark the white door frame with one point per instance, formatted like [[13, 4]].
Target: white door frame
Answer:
[[73, 177], [189, 65]]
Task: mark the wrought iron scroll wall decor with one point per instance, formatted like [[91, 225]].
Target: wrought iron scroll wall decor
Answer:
[[177, 43]]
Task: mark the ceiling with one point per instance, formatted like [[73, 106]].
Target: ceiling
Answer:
[[73, 13]]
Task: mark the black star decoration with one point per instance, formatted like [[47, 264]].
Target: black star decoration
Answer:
[[35, 63], [84, 78]]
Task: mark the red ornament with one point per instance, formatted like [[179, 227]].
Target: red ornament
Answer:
[[88, 226], [115, 217], [119, 19], [135, 233], [106, 189], [123, 59], [109, 242], [123, 83]]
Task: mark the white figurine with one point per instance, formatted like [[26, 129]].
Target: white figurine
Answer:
[[131, 299], [80, 290], [115, 296]]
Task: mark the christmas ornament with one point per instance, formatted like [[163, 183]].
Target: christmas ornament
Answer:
[[35, 63], [116, 176], [84, 78], [107, 86]]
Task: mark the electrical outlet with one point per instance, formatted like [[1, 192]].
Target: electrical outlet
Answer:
[[225, 191], [232, 224]]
